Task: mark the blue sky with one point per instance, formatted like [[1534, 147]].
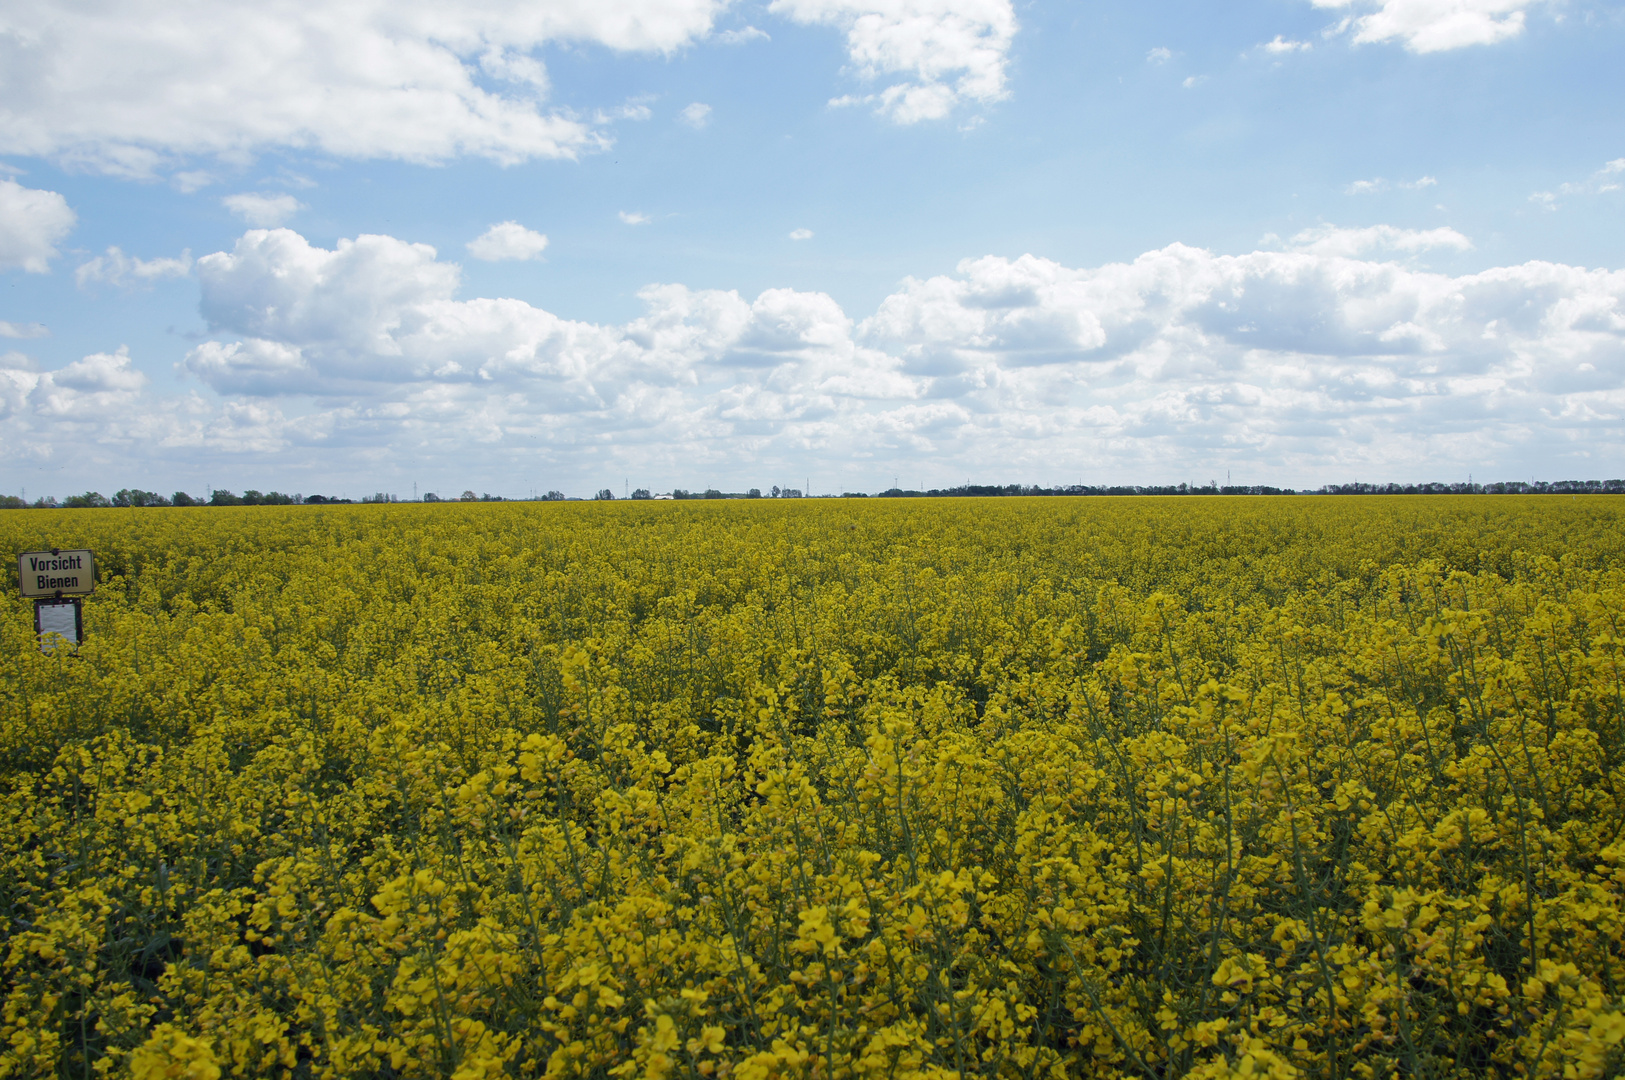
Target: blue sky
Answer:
[[1295, 242]]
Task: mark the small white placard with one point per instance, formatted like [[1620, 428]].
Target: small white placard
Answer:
[[58, 619]]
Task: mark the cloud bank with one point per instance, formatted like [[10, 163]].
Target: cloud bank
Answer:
[[139, 87], [1334, 355], [129, 86]]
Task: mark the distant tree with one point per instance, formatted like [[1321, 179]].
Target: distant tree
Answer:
[[554, 496], [754, 493], [775, 494], [712, 493], [181, 498], [681, 493], [12, 502], [45, 502], [137, 497], [252, 498], [429, 496], [641, 493], [604, 495], [488, 497], [87, 500], [222, 497], [469, 496]]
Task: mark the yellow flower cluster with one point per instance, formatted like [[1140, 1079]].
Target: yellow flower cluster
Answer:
[[1140, 788]]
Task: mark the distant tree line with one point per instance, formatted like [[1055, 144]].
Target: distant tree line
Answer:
[[219, 497], [1516, 487], [467, 496], [713, 493], [1511, 487], [137, 497], [222, 497]]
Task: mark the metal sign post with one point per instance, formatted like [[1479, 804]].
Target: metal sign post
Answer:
[[56, 580]]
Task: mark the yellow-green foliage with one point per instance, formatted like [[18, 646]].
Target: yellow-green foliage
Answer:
[[1290, 787]]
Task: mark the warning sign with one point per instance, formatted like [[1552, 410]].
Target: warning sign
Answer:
[[57, 573]]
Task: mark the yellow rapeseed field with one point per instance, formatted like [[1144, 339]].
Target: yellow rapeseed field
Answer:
[[1319, 787]]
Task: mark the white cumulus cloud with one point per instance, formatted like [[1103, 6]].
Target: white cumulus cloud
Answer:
[[350, 302], [75, 396], [801, 234], [1425, 26], [947, 52], [254, 367], [507, 240], [22, 330], [634, 217], [741, 37], [1281, 45], [32, 223], [265, 211], [132, 86]]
